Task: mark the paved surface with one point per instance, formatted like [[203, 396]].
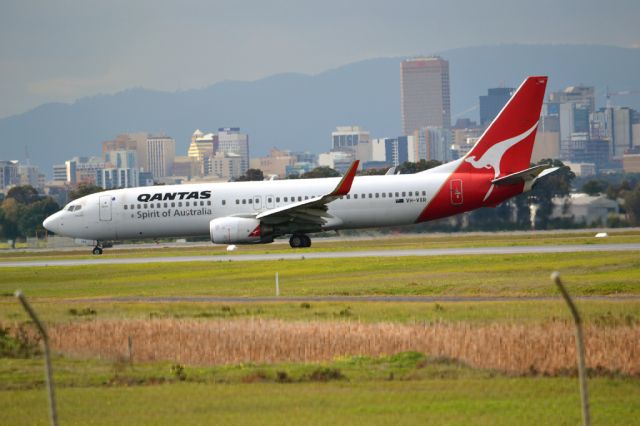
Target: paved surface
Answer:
[[355, 299], [304, 254]]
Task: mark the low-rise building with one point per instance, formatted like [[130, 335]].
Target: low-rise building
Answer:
[[586, 209]]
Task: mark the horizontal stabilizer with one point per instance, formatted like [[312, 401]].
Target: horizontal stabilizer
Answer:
[[523, 176]]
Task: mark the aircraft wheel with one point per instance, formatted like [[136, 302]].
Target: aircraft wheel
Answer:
[[97, 250], [307, 241], [296, 241]]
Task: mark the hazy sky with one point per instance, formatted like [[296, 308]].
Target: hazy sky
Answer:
[[62, 50]]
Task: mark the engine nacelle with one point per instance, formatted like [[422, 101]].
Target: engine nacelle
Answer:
[[239, 230]]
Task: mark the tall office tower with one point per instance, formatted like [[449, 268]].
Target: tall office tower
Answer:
[[581, 95], [231, 141], [615, 125], [424, 94], [432, 143], [129, 142], [9, 173], [491, 103], [161, 152]]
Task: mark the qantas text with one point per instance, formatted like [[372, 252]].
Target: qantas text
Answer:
[[170, 196]]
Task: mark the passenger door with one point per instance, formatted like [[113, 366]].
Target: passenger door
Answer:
[[105, 207]]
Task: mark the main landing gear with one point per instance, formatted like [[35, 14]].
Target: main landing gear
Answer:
[[299, 241], [97, 250]]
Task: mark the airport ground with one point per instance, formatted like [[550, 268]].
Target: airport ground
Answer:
[[508, 297]]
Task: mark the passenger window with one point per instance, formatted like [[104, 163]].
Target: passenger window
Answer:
[[173, 204], [306, 197], [151, 205], [397, 194], [285, 199], [384, 195], [410, 193], [166, 205], [370, 195], [237, 201], [299, 198], [126, 207], [145, 206], [404, 194], [390, 194], [269, 199], [250, 201], [139, 207], [179, 203], [377, 195], [244, 201], [224, 202], [208, 202], [355, 196], [277, 199], [424, 193], [186, 204]]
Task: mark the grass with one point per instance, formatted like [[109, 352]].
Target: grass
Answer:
[[389, 242], [407, 388], [596, 273], [518, 348], [600, 312]]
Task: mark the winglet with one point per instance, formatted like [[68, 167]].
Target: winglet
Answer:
[[344, 186]]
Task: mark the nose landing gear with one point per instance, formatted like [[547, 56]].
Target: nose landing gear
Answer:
[[97, 250], [299, 241]]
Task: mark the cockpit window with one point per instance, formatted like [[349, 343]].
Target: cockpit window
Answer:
[[74, 208]]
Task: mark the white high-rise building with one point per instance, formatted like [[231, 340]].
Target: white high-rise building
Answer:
[[161, 152], [231, 141]]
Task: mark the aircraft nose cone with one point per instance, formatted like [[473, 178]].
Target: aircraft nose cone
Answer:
[[52, 223]]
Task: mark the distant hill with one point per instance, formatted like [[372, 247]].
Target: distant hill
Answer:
[[298, 112]]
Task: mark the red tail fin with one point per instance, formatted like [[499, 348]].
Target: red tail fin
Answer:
[[507, 143]]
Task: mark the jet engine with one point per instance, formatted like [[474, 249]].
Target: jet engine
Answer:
[[239, 230]]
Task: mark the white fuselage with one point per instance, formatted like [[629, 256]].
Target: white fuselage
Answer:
[[373, 201]]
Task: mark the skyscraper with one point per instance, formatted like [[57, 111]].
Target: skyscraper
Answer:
[[493, 102], [424, 94], [161, 151], [231, 141]]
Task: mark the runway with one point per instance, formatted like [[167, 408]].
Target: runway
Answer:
[[307, 254]]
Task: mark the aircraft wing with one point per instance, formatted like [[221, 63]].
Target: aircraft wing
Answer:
[[313, 210]]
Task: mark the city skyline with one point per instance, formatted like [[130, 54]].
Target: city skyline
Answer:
[[63, 52]]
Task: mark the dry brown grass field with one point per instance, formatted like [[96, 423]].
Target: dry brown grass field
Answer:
[[544, 348]]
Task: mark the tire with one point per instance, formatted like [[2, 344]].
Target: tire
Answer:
[[296, 241], [97, 251], [307, 241]]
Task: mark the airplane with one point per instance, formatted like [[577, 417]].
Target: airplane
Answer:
[[494, 170]]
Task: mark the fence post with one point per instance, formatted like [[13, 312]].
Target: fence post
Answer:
[[53, 413], [584, 392]]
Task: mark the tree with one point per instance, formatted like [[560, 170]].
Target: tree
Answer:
[[632, 205], [557, 184], [320, 172], [409, 168], [594, 187], [84, 189], [25, 194], [252, 175]]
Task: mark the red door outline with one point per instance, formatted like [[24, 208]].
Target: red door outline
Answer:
[[456, 192]]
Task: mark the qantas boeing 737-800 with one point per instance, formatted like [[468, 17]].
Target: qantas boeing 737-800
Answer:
[[495, 169]]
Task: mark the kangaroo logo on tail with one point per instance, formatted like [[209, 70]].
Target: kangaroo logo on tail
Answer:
[[493, 156]]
